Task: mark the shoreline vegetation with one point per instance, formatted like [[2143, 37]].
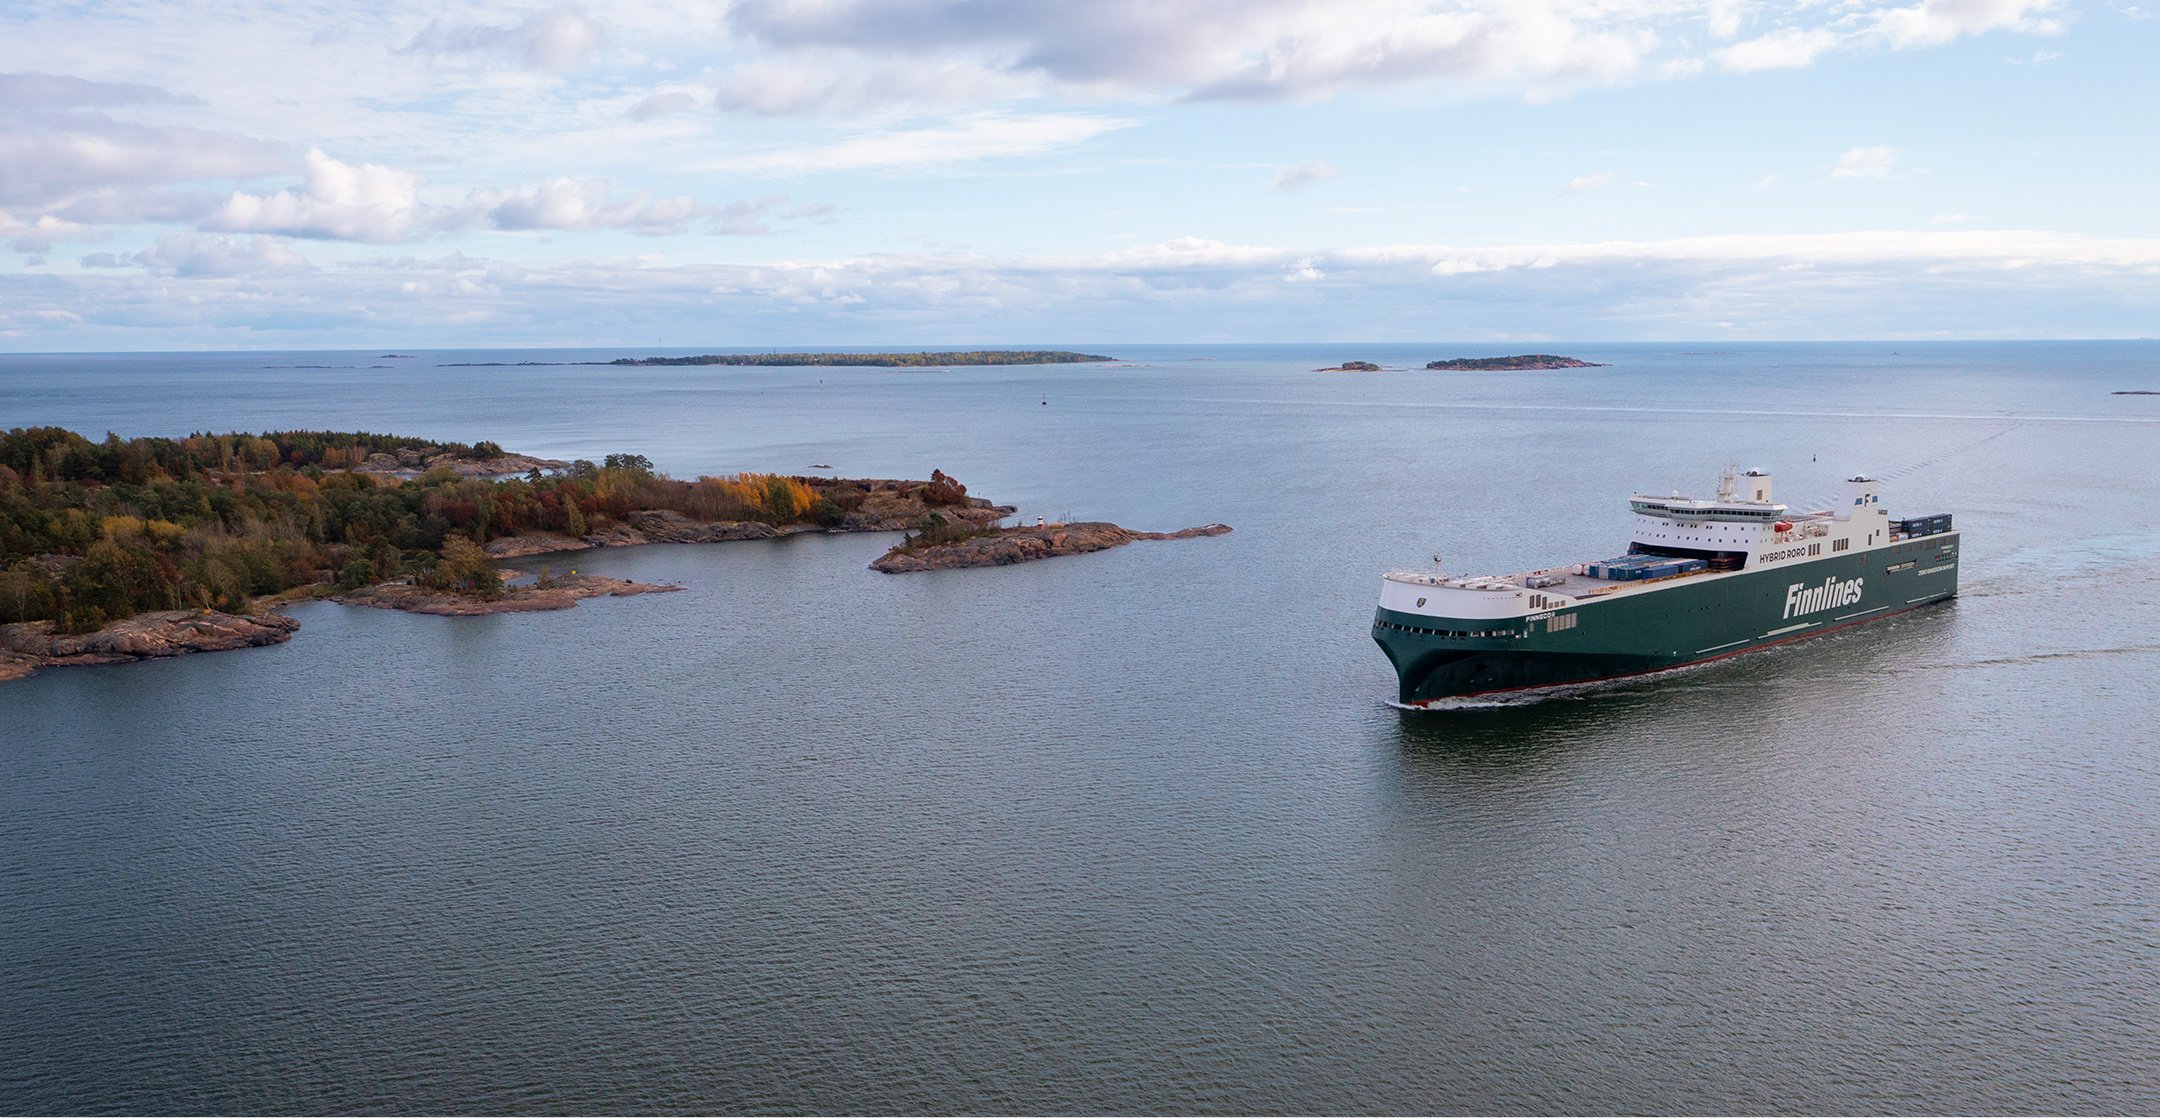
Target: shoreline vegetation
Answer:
[[1518, 362], [873, 360], [131, 549], [942, 545]]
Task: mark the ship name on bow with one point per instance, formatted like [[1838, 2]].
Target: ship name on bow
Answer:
[[1802, 599]]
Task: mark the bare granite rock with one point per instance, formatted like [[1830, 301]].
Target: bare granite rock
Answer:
[[418, 460], [29, 645], [891, 506], [1005, 546], [559, 593]]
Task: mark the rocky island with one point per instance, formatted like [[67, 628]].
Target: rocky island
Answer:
[[131, 549], [548, 592], [1518, 362], [26, 646], [941, 548], [1352, 367]]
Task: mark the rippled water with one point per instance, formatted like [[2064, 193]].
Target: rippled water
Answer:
[[1134, 830]]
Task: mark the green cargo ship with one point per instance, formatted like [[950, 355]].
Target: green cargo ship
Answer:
[[1701, 580]]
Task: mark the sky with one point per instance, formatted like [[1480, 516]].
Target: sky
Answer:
[[218, 174]]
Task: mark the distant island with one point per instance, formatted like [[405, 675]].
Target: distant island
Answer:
[[1518, 362], [2134, 392], [880, 360], [1352, 367], [124, 550]]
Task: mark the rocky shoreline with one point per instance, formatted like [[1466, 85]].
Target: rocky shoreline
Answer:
[[554, 593], [889, 507], [1521, 362], [954, 530], [1005, 546], [411, 463], [27, 646]]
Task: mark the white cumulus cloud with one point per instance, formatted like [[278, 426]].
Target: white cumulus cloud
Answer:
[[335, 201], [1865, 163], [210, 255]]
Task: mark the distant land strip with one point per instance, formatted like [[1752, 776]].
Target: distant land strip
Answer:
[[882, 360], [902, 360], [1519, 361]]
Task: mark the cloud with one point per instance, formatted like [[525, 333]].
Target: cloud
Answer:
[[208, 255], [1724, 18], [579, 204], [371, 203], [38, 235], [335, 201], [840, 83], [661, 104], [555, 39], [756, 217], [1865, 163], [938, 51], [1935, 22], [46, 159], [1927, 24], [1217, 49], [1583, 183], [1874, 283], [66, 167], [1304, 175], [47, 91], [1781, 50], [971, 137]]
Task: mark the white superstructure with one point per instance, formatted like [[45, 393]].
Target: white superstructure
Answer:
[[1744, 528]]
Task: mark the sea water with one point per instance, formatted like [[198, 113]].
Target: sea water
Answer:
[[1136, 830]]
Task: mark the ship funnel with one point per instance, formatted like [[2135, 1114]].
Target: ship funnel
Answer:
[[1859, 497], [1755, 486]]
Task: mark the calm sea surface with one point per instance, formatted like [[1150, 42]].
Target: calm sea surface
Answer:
[[1131, 831]]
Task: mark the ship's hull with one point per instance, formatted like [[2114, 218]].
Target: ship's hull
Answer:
[[1685, 621]]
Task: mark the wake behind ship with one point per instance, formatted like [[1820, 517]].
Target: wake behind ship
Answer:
[[1701, 580]]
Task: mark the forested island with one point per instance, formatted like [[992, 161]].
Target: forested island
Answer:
[[1520, 361], [881, 360], [128, 548]]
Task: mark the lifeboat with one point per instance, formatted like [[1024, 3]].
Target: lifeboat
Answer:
[[1782, 527]]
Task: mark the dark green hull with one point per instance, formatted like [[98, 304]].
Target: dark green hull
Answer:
[[1685, 621]]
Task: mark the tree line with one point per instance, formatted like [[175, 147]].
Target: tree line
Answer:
[[92, 532]]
